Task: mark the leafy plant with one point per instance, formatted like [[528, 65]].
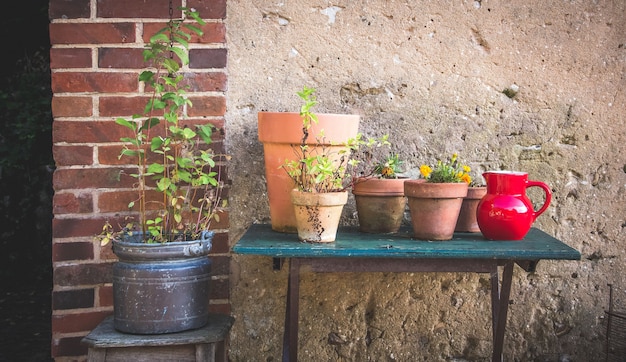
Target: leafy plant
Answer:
[[390, 168], [171, 158], [320, 168], [447, 171]]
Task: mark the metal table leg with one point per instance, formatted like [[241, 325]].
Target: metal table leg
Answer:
[[290, 336], [499, 307]]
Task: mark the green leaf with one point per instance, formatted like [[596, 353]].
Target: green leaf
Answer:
[[156, 143], [188, 133], [163, 184], [206, 133], [156, 168], [182, 54], [126, 123]]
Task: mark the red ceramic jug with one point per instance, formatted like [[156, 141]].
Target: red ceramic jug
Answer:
[[505, 212]]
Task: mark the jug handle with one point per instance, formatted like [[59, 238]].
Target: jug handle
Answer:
[[548, 199]]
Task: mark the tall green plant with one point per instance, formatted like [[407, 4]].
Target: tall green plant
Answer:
[[170, 155]]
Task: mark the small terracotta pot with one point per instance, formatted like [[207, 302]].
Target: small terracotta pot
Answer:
[[467, 221], [434, 208], [380, 204], [318, 214], [281, 133]]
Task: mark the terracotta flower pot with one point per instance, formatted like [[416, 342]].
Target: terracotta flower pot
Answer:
[[318, 214], [467, 221], [380, 204], [281, 134], [434, 208]]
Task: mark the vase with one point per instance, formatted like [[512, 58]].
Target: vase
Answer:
[[434, 208], [467, 221], [281, 135], [505, 212], [318, 214], [161, 288], [380, 204]]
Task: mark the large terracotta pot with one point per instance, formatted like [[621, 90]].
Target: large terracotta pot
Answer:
[[318, 214], [161, 288], [281, 134], [506, 213], [467, 221], [434, 208], [380, 204]]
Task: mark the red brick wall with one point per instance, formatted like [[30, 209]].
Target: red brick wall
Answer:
[[95, 61]]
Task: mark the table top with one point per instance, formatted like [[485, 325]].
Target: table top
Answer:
[[260, 239]]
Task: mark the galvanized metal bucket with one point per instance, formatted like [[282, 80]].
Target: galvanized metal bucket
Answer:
[[161, 288]]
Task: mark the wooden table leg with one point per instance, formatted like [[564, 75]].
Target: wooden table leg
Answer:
[[290, 336], [499, 307]]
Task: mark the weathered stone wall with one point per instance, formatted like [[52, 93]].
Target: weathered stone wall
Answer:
[[433, 74]]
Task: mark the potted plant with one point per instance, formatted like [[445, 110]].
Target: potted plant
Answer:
[[467, 221], [379, 196], [318, 174], [161, 278], [434, 204], [280, 133]]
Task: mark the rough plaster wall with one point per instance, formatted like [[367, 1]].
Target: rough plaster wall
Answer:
[[432, 74]]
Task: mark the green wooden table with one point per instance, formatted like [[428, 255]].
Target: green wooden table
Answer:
[[354, 251]]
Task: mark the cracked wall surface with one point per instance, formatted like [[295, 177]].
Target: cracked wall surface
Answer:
[[531, 86]]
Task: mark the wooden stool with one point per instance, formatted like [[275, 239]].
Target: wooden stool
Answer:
[[107, 344]]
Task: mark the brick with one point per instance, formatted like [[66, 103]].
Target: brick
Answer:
[[69, 9], [121, 106], [72, 203], [68, 346], [70, 58], [69, 203], [205, 82], [212, 33], [72, 155], [78, 322], [120, 58], [88, 131], [207, 106], [92, 33], [215, 9], [73, 299], [75, 82], [82, 274], [220, 308], [119, 200], [207, 58], [72, 106], [105, 296], [137, 9], [109, 155], [87, 178], [220, 265], [224, 222], [219, 289], [72, 251], [220, 244], [66, 228]]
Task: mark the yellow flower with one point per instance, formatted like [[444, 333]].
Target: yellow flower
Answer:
[[466, 177], [466, 168], [425, 170]]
